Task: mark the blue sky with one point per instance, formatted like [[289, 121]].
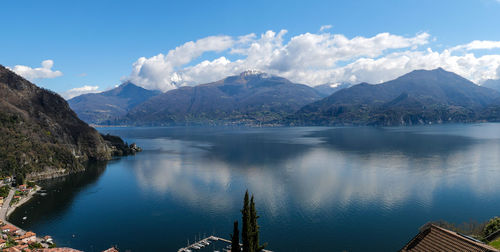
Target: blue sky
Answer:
[[95, 43]]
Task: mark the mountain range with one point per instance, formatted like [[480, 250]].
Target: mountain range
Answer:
[[256, 98], [330, 88], [419, 97], [101, 108], [248, 98]]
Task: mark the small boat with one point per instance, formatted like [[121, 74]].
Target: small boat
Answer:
[[24, 218]]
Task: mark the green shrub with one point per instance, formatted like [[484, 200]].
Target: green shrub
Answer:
[[492, 226], [4, 191]]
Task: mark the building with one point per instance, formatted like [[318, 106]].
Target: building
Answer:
[[9, 229], [23, 247], [47, 239], [57, 250], [1, 201], [2, 243], [29, 237], [22, 187], [12, 249], [112, 249], [435, 238]]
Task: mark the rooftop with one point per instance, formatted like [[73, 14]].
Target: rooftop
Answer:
[[10, 227], [435, 238]]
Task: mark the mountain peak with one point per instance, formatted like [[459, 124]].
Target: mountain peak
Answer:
[[254, 72], [101, 107], [434, 74], [127, 83], [439, 69]]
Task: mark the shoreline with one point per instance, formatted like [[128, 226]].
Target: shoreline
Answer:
[[27, 198]]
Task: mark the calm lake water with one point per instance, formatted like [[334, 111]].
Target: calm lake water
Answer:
[[316, 189]]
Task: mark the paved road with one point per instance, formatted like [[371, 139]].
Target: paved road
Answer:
[[6, 204]]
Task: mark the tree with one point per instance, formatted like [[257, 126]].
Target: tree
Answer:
[[245, 224], [20, 179], [254, 228], [250, 227], [235, 238], [491, 227]]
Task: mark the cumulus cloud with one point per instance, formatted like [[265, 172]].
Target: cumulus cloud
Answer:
[[79, 91], [44, 72], [312, 59], [160, 71]]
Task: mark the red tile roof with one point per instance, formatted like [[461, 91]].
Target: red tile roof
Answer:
[[12, 249], [57, 250], [27, 235], [10, 227], [111, 250], [434, 238]]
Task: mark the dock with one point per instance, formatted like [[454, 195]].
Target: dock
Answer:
[[210, 244]]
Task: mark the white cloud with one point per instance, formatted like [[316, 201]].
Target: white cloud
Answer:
[[159, 72], [79, 91], [312, 59], [478, 45], [43, 72], [327, 27]]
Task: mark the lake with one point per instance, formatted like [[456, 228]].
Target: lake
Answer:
[[316, 189]]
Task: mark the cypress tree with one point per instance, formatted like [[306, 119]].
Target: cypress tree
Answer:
[[254, 227], [245, 225], [235, 238]]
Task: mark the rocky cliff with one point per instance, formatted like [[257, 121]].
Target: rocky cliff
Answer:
[[39, 132]]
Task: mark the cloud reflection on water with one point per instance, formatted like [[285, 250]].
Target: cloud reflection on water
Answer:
[[351, 167]]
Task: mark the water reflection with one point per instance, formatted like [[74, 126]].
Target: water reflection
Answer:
[[59, 196], [319, 186], [351, 165]]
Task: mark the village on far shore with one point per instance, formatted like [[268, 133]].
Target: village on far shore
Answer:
[[13, 238]]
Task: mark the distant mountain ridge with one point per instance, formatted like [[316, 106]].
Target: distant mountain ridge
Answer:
[[247, 99], [256, 98], [493, 84], [330, 88], [101, 108], [419, 97]]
